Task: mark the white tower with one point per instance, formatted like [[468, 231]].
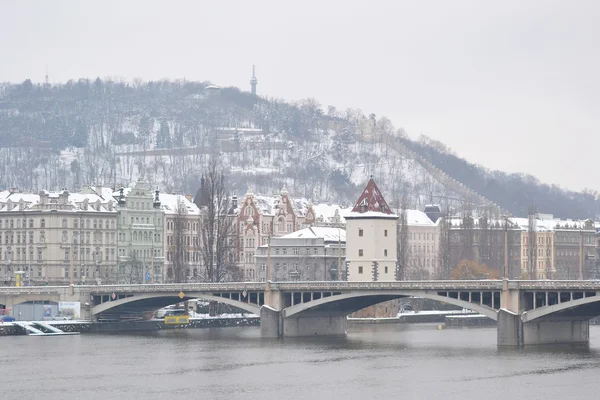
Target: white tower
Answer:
[[371, 238]]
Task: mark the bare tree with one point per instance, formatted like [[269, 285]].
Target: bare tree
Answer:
[[445, 267], [217, 230], [532, 244], [179, 247], [131, 272], [402, 248]]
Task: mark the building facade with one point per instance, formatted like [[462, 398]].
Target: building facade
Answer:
[[256, 219], [182, 238], [140, 235], [58, 238], [310, 254], [423, 238], [492, 242]]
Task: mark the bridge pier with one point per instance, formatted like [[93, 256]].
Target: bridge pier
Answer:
[[567, 331], [512, 331], [331, 325], [271, 323], [509, 328]]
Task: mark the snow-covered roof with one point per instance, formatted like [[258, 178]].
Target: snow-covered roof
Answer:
[[313, 232], [169, 204], [370, 214], [327, 212], [89, 202], [417, 217]]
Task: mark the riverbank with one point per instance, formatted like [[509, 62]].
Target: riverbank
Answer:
[[420, 317], [197, 322]]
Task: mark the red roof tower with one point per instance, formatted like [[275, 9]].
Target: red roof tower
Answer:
[[371, 199]]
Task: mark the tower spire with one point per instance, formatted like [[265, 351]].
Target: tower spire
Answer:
[[253, 81]]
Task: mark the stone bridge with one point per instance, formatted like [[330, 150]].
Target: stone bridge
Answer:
[[528, 312]]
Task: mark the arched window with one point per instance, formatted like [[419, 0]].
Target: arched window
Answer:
[[249, 211], [134, 235]]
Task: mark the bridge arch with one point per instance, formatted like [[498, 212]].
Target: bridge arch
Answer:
[[144, 302], [586, 306], [371, 298]]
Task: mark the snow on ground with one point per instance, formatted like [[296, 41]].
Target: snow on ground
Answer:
[[195, 315]]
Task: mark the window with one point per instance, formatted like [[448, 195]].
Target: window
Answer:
[[42, 223], [360, 270], [316, 251], [31, 223], [64, 223], [385, 233], [385, 254], [360, 233], [360, 252], [295, 252], [386, 270], [284, 251]]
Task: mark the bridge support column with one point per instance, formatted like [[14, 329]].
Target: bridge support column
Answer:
[[270, 323], [568, 331], [315, 326], [509, 328]]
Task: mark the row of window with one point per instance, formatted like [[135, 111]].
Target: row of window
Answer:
[[140, 254], [361, 232], [360, 269], [562, 238], [142, 220], [33, 270], [77, 223], [184, 240], [185, 225], [188, 256], [88, 255], [361, 252]]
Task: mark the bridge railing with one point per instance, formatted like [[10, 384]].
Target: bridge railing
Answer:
[[176, 287], [416, 285], [555, 285], [592, 285]]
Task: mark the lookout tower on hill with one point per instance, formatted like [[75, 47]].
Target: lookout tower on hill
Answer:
[[253, 81], [371, 238]]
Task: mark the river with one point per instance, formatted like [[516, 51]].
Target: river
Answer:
[[372, 362]]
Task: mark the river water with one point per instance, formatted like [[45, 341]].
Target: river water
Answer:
[[372, 362]]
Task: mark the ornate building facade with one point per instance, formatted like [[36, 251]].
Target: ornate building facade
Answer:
[[56, 238]]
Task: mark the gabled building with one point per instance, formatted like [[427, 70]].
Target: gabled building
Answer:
[[256, 218], [371, 238], [140, 235]]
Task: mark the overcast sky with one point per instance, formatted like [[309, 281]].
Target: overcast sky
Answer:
[[512, 85]]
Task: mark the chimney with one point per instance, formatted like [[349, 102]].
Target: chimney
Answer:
[[156, 199], [121, 200]]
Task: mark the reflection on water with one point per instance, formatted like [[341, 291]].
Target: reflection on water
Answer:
[[381, 361]]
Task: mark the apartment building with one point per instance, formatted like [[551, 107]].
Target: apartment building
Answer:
[[58, 238], [182, 232], [310, 254], [141, 234]]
